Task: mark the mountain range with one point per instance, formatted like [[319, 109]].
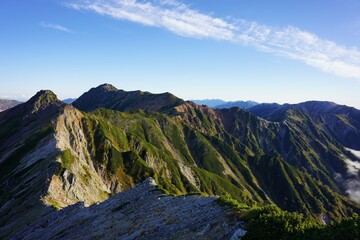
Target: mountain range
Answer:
[[209, 102], [301, 158], [239, 104], [6, 104], [217, 103], [69, 100]]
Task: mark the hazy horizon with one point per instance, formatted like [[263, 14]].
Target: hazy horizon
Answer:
[[23, 99]]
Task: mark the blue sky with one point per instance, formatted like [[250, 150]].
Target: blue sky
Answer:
[[266, 51]]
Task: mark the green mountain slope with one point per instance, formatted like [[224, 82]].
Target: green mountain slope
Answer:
[[339, 121], [298, 142]]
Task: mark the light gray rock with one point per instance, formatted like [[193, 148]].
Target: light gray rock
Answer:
[[143, 212], [238, 234]]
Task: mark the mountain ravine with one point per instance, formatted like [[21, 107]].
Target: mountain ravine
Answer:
[[54, 155]]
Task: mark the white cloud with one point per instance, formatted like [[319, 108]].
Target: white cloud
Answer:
[[355, 152], [174, 16], [55, 26], [167, 14], [353, 190], [352, 182], [353, 167]]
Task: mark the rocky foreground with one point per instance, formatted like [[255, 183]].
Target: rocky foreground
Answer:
[[143, 212]]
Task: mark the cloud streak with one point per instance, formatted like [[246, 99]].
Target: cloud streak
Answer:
[[55, 27], [176, 17], [352, 182]]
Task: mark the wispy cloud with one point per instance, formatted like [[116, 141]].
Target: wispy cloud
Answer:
[[55, 26], [290, 42], [352, 181]]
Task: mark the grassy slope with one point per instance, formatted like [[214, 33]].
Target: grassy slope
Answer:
[[132, 147], [125, 144], [225, 142]]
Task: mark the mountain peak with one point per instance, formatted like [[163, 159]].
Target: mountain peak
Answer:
[[42, 99], [107, 96], [318, 106], [44, 93], [44, 96], [107, 87]]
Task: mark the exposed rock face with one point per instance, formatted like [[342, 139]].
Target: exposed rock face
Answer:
[[139, 213], [77, 180]]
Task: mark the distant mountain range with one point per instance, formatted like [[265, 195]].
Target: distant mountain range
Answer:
[[52, 155], [209, 102], [6, 104], [240, 104], [69, 100], [217, 103]]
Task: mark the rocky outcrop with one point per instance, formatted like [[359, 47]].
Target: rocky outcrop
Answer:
[[77, 180], [43, 100], [143, 212]]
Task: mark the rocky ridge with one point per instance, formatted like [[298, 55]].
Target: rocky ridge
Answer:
[[107, 96], [143, 212]]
